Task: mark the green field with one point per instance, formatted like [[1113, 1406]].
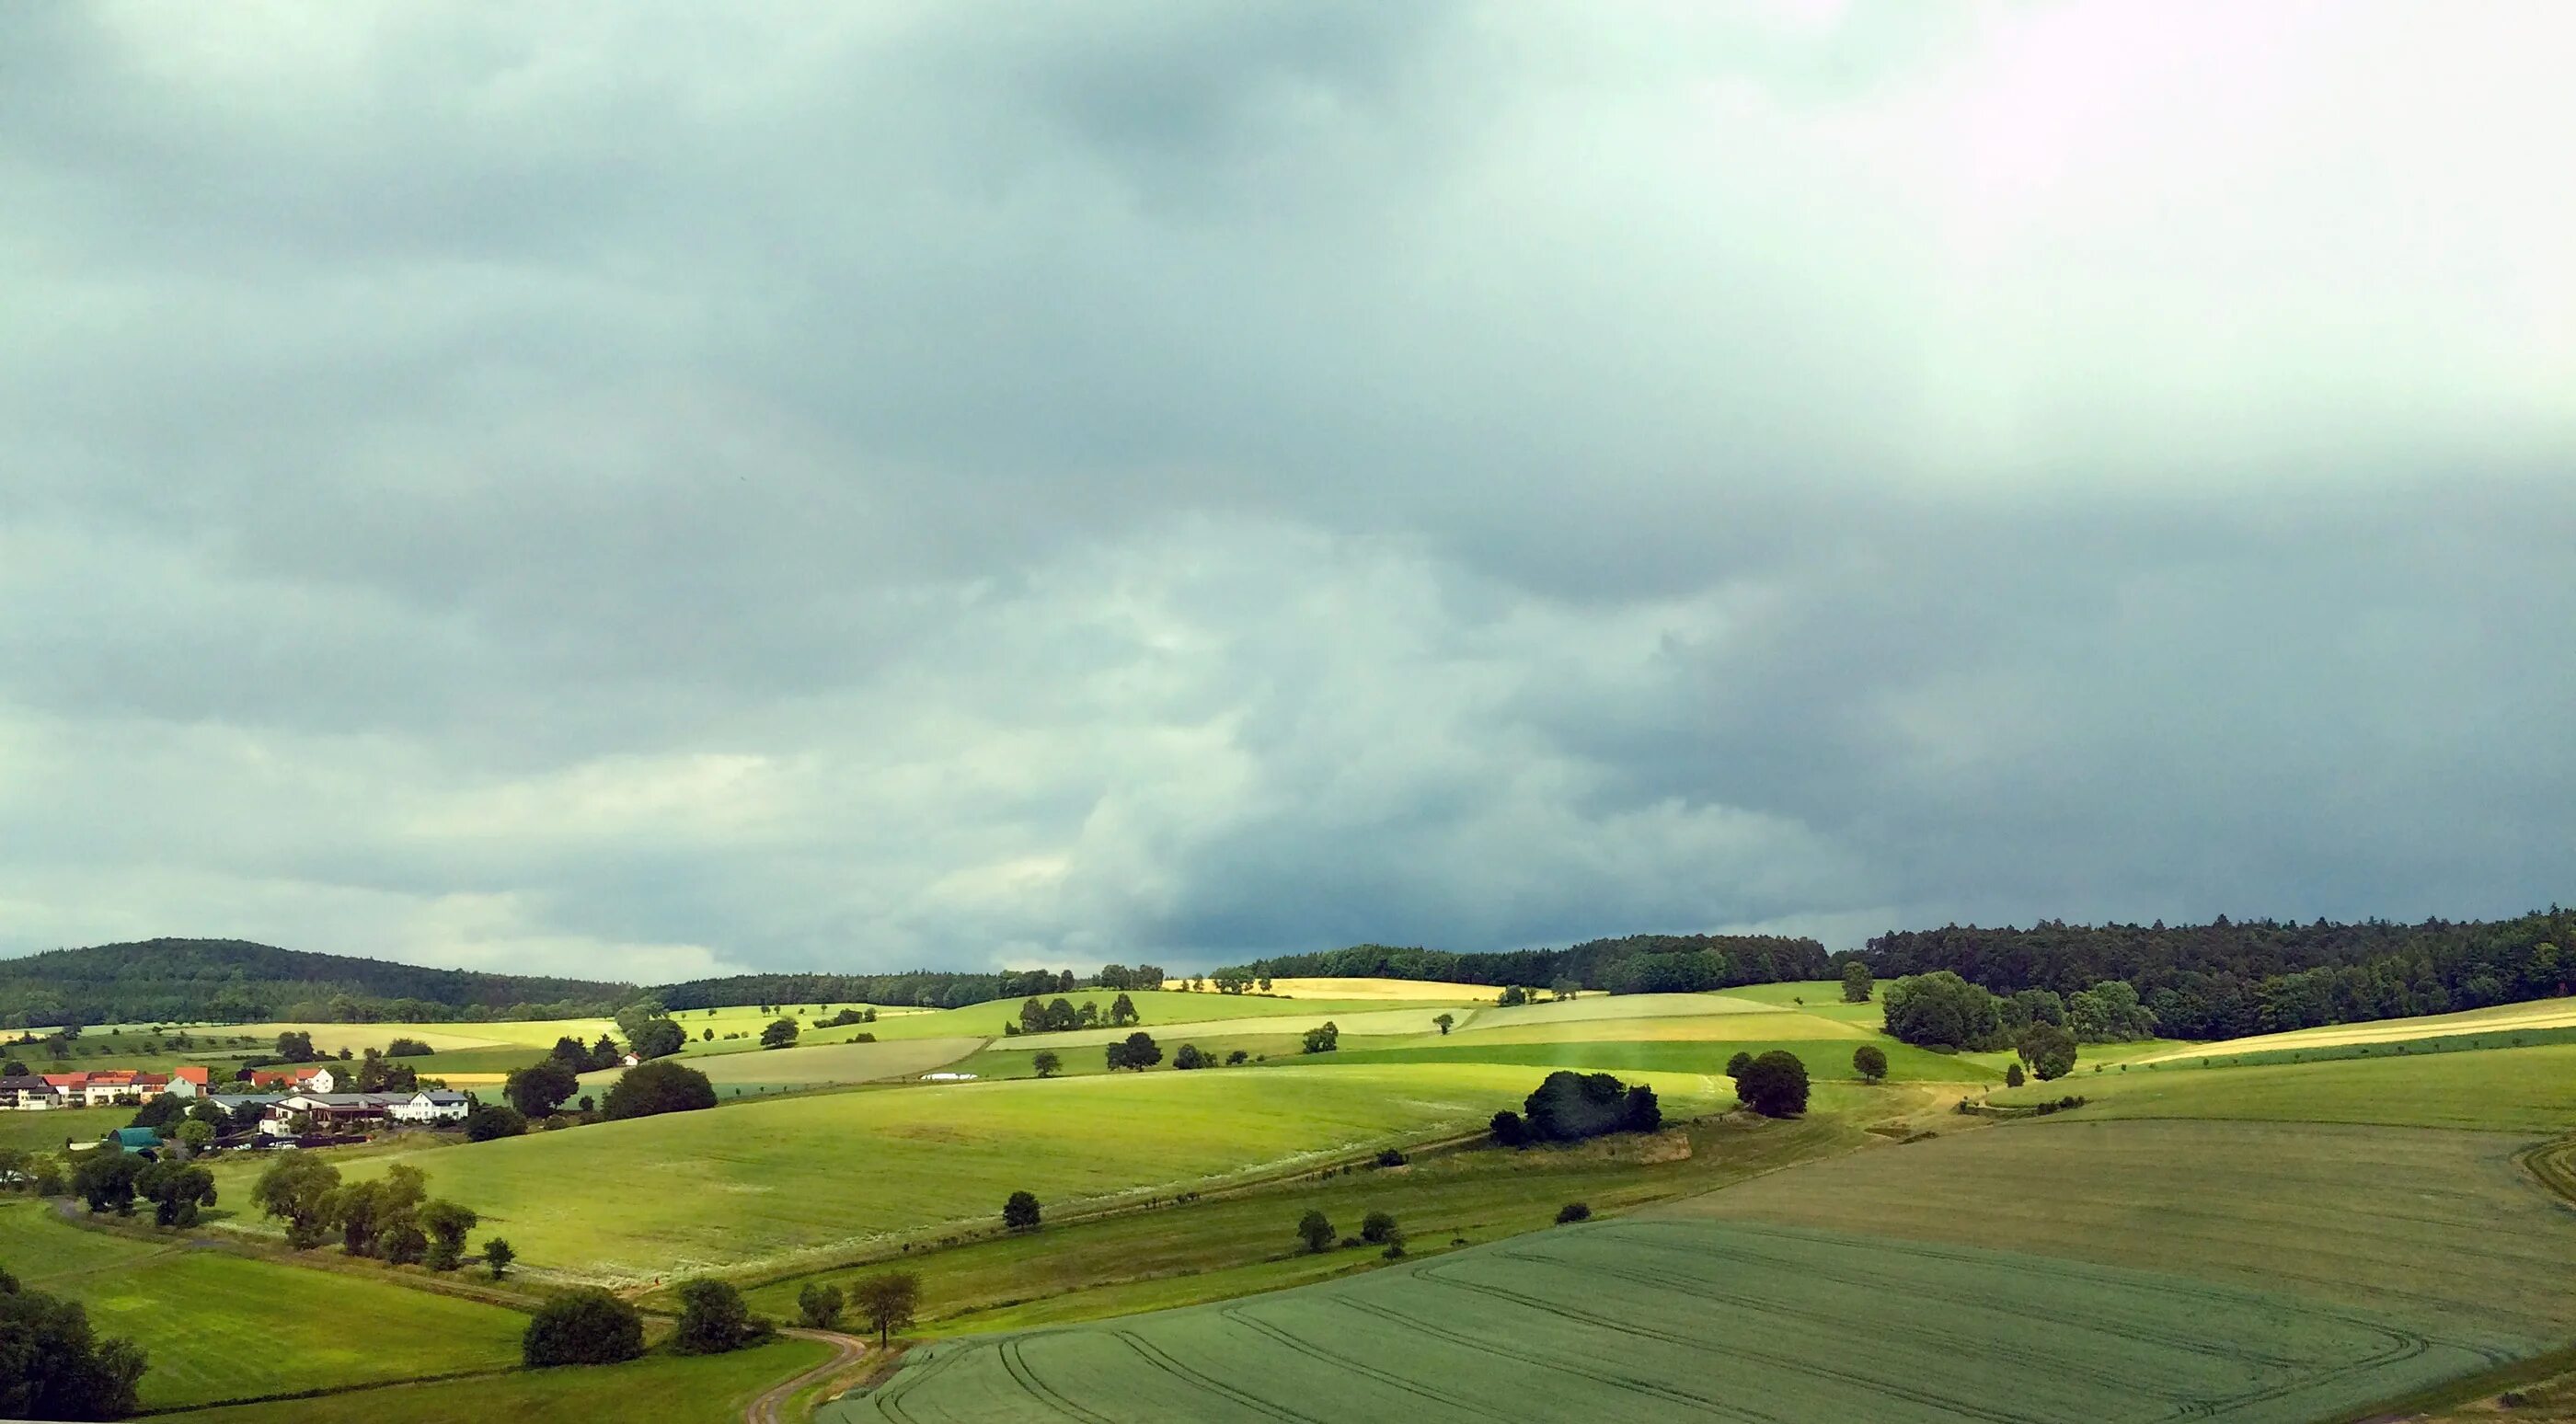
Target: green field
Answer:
[[218, 1326], [658, 1389], [1698, 1320], [47, 1131], [1157, 1009], [1825, 1058], [814, 1066], [2525, 1090], [1240, 1243], [763, 1182]]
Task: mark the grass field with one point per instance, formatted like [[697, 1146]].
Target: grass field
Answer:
[[47, 1131], [1238, 1244], [1750, 1027], [762, 1182], [218, 1326], [2540, 1013], [658, 1389], [1825, 1058], [815, 1065], [1157, 1009], [1698, 1320], [2523, 1090]]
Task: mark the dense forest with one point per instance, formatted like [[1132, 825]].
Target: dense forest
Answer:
[[2225, 979], [1630, 964], [924, 988], [236, 981]]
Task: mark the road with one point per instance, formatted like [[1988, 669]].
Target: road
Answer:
[[771, 1406]]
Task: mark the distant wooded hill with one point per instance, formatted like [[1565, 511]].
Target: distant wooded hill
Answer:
[[236, 981]]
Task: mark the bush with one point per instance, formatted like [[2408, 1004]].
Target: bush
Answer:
[[1237, 1056], [1775, 1084], [1189, 1057], [1020, 1213], [1509, 1130], [1316, 1230], [2012, 1075], [1569, 1107], [661, 1086], [497, 1256], [408, 1048], [1325, 1037], [819, 1305], [713, 1320], [1573, 1212], [1870, 1061], [582, 1327], [1378, 1228], [1390, 1157]]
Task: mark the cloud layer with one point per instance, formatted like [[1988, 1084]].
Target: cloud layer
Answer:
[[629, 492]]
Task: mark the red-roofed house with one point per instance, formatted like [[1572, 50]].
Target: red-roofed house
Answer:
[[302, 1077], [191, 1080]]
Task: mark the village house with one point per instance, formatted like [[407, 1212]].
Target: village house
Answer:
[[300, 1077], [191, 1080], [29, 1093], [432, 1105]]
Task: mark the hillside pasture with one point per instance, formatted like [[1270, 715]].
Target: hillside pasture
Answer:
[[765, 1183], [47, 1131], [1367, 1022], [1657, 1320], [1751, 1027], [1158, 1009], [190, 1309], [2530, 1091], [815, 1066], [658, 1389], [1829, 1058], [2502, 1018], [1593, 1008]]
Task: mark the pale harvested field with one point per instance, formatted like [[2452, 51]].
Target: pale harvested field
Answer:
[[1398, 990], [2540, 1013], [1694, 1028]]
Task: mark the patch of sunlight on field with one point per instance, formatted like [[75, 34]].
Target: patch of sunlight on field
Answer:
[[1698, 1028], [2539, 1013], [2521, 1090], [1398, 989]]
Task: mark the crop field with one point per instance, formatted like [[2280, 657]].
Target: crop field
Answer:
[[1825, 1058], [658, 1389], [1378, 1021], [1158, 1009], [816, 1065], [2525, 1090], [1706, 1028], [1698, 1320], [1619, 1007], [188, 1307], [764, 1181], [2540, 1013], [2409, 1219]]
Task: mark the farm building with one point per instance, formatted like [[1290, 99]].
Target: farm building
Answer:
[[432, 1105], [301, 1078], [360, 1112], [132, 1139]]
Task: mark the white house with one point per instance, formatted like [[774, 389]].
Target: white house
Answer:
[[431, 1105], [29, 1094]]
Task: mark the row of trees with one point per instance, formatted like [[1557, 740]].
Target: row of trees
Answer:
[[1943, 1010], [237, 981], [1315, 1232], [1061, 1016], [541, 1089], [391, 1218], [1629, 964]]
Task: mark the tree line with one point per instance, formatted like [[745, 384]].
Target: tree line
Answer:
[[239, 981], [2227, 979], [1642, 963]]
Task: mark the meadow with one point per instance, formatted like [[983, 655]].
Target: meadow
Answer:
[[1704, 1319], [47, 1131], [2535, 1014], [1825, 1058], [809, 1066], [658, 1389], [765, 1182], [2523, 1090], [218, 1326]]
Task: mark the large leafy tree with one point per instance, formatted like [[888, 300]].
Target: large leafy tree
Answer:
[[297, 1189], [713, 1319], [53, 1367], [540, 1088], [662, 1086], [1774, 1084], [582, 1327], [887, 1302]]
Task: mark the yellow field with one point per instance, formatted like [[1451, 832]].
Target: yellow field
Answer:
[[1395, 989], [1784, 1027], [2540, 1013], [444, 1037]]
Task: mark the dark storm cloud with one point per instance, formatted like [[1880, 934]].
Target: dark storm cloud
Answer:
[[887, 485]]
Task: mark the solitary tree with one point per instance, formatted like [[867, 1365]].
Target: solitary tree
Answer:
[[661, 1086], [1870, 1061], [1122, 1011], [1378, 1228], [713, 1319], [1444, 1021], [540, 1088], [1138, 1051], [1047, 1063], [497, 1256], [2048, 1049], [1857, 982], [176, 1190], [1774, 1085], [1316, 1230], [1324, 1037], [1020, 1213], [2012, 1075], [779, 1034], [819, 1305], [887, 1302]]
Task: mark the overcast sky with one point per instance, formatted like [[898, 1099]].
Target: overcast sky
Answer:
[[644, 492]]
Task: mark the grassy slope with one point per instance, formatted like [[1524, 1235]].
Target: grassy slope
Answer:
[[1157, 1008], [1825, 1058], [46, 1131], [2523, 1090], [1684, 1319], [662, 1196], [189, 1308], [1218, 1247], [2541, 1013], [659, 1389], [815, 1065]]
